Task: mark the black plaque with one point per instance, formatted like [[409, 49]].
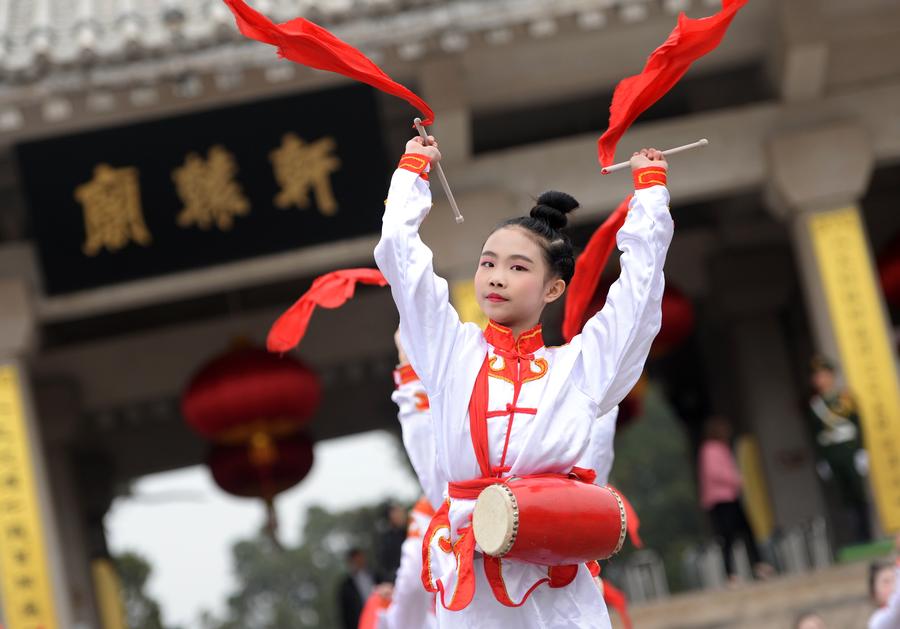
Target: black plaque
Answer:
[[153, 198]]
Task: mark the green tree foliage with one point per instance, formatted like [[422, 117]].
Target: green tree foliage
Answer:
[[654, 469], [141, 611], [296, 587]]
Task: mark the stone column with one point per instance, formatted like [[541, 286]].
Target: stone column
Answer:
[[443, 86], [749, 289], [59, 406], [32, 577], [817, 178]]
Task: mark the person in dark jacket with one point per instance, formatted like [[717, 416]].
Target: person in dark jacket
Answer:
[[355, 588]]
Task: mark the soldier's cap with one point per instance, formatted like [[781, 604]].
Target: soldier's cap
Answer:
[[820, 363]]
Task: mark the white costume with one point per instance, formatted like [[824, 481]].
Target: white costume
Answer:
[[541, 403], [888, 617], [601, 455], [412, 607], [417, 432]]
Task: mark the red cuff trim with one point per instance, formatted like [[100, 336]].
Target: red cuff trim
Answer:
[[415, 163], [649, 176], [404, 375]]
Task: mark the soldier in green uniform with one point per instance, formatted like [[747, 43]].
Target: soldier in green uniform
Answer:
[[836, 430]]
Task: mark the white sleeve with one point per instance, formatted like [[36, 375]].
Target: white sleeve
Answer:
[[615, 342], [888, 617], [417, 431], [411, 604], [429, 326], [603, 433]]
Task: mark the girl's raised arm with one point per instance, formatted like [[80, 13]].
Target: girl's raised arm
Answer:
[[429, 326], [616, 341]]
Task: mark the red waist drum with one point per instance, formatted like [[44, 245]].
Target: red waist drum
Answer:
[[549, 521]]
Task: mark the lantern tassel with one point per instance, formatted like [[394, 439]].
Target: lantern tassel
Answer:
[[271, 525]]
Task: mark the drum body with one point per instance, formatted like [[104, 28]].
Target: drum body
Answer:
[[550, 521]]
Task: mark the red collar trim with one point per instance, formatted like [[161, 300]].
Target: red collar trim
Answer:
[[501, 337]]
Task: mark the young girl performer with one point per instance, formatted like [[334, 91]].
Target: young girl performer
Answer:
[[416, 426], [407, 605], [502, 403]]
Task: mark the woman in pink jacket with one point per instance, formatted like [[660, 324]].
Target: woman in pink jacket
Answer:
[[720, 496]]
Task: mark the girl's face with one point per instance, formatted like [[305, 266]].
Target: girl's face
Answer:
[[885, 582], [513, 282]]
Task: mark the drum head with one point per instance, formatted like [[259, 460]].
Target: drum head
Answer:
[[495, 520]]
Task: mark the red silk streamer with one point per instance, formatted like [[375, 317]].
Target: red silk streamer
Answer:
[[308, 44], [615, 598], [690, 40], [331, 290], [588, 269]]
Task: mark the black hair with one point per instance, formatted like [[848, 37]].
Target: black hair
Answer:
[[546, 221], [874, 569], [353, 552]]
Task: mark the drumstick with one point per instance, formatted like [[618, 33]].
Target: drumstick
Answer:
[[677, 149], [440, 173]]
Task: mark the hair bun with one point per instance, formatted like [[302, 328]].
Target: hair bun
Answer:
[[552, 207]]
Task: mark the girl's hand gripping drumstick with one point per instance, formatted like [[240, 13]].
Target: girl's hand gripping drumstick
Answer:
[[677, 149], [440, 173]]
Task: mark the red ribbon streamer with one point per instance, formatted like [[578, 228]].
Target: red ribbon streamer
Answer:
[[616, 599], [307, 43], [331, 290], [588, 269], [690, 40]]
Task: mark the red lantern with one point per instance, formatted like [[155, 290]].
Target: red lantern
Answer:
[[254, 405], [248, 392], [677, 322], [889, 273], [237, 470], [677, 317], [632, 407]]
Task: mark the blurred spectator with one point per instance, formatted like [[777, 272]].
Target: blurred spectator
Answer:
[[836, 430], [720, 496], [810, 620], [355, 588], [390, 540], [884, 588]]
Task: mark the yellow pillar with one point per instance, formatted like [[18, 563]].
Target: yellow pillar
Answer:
[[108, 588], [817, 177], [32, 587], [25, 582], [857, 314]]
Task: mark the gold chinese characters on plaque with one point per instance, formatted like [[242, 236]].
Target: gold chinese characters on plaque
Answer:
[[113, 217], [302, 167], [208, 190]]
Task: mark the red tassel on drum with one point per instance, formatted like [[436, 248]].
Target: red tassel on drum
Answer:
[[632, 520]]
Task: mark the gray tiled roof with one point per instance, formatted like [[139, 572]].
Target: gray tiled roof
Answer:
[[39, 36]]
